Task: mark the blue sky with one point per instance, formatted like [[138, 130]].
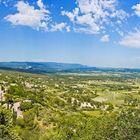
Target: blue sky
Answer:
[[104, 33]]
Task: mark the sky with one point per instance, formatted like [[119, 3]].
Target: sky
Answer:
[[102, 33]]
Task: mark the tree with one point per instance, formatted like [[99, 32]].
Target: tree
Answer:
[[25, 106], [6, 126], [8, 99]]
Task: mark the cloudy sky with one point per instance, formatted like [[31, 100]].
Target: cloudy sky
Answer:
[[104, 33]]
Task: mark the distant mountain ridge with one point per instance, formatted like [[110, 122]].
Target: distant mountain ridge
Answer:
[[41, 67], [52, 67]]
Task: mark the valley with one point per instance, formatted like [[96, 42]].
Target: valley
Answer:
[[70, 106]]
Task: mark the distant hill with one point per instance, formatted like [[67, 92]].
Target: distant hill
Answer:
[[52, 67], [42, 67]]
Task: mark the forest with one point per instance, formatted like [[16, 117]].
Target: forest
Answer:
[[70, 106]]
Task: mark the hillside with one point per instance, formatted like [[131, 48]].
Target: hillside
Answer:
[[53, 67], [69, 106]]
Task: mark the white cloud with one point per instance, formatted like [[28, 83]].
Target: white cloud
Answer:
[[120, 14], [68, 29], [93, 15], [105, 38], [131, 40], [36, 18], [58, 27], [71, 15], [121, 33], [137, 9], [27, 15], [89, 16], [40, 4]]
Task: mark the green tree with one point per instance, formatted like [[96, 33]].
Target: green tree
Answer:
[[6, 126]]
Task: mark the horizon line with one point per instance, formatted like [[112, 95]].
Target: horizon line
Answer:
[[103, 67]]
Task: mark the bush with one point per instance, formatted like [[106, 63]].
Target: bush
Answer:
[[26, 106]]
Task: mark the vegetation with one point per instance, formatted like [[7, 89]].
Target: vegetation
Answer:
[[70, 106]]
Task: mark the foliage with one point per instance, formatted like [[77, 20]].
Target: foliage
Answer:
[[66, 106]]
